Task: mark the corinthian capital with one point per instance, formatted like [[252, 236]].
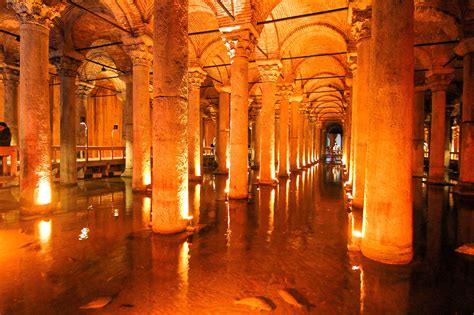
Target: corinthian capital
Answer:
[[196, 76], [286, 90], [361, 21], [269, 70], [139, 49], [239, 43], [35, 12], [65, 65]]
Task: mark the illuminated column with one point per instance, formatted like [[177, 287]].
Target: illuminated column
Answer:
[[438, 79], [128, 126], [301, 133], [269, 74], [240, 44], [170, 117], [352, 65], [285, 91], [466, 158], [2, 88], [258, 131], [317, 140], [277, 135], [67, 70], [418, 131], [196, 77], [35, 130], [10, 104], [387, 223], [361, 32], [83, 90], [347, 126], [307, 138], [223, 135], [294, 133], [139, 49]]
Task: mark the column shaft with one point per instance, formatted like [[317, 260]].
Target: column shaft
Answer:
[[437, 136], [258, 139], [223, 135], [68, 165], [283, 165], [294, 162], [170, 117], [361, 85], [387, 223], [466, 171], [11, 103], [267, 145], [418, 133], [35, 133], [195, 78], [301, 140], [128, 127]]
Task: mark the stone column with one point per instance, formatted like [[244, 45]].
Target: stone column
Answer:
[[258, 134], [418, 131], [438, 79], [307, 138], [170, 117], [223, 135], [10, 104], [196, 77], [387, 222], [347, 127], [277, 135], [128, 126], [352, 65], [294, 133], [466, 158], [240, 44], [83, 90], [35, 130], [285, 91], [317, 140], [361, 32], [139, 49], [269, 74], [301, 139], [67, 70]]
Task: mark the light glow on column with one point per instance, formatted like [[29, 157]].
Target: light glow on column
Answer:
[[44, 231], [43, 192]]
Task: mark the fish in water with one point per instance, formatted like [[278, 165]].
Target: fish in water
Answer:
[[467, 249], [97, 303], [289, 298], [255, 303]]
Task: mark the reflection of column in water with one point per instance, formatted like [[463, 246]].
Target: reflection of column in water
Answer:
[[281, 213], [146, 211], [465, 222], [237, 224], [267, 210], [293, 201], [433, 232], [197, 204], [220, 184], [418, 215], [68, 198], [128, 196], [384, 289], [170, 263]]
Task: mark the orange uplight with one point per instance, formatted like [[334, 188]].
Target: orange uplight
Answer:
[[356, 233], [146, 177], [43, 193], [183, 201]]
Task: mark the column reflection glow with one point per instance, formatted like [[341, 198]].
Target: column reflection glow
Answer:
[[183, 268]]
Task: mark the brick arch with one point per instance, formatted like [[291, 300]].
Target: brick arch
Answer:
[[202, 6], [314, 29], [126, 14]]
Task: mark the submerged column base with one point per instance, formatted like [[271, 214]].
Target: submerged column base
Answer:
[[387, 254], [464, 189]]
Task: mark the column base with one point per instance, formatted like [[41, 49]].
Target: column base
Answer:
[[392, 255], [294, 170], [284, 175], [255, 167], [237, 197], [30, 212], [178, 228], [358, 204], [464, 189], [438, 182], [194, 178], [127, 173]]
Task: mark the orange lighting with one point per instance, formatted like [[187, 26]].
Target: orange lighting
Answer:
[[44, 231], [43, 193], [356, 233]]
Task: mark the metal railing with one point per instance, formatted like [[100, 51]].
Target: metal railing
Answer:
[[12, 153], [96, 153]]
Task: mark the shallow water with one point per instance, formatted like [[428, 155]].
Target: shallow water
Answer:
[[97, 243]]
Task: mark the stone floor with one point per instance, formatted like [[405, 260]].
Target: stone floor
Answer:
[[97, 243]]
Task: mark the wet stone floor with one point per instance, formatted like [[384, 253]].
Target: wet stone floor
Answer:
[[299, 235]]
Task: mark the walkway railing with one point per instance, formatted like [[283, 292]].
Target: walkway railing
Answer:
[[93, 153]]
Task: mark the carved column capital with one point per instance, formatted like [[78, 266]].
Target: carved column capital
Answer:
[[10, 75], [65, 65], [139, 49], [222, 88], [35, 12], [269, 70], [361, 24], [196, 76], [439, 78], [285, 90], [240, 43], [83, 89]]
